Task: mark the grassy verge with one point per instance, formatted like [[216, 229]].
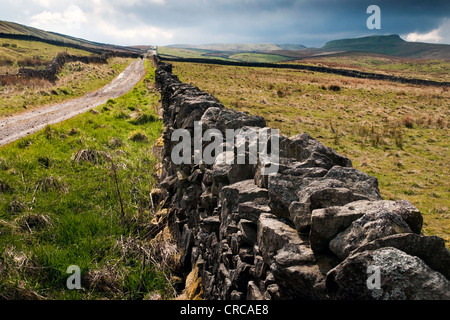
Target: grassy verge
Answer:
[[77, 193], [398, 133]]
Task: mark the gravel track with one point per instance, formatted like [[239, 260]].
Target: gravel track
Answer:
[[21, 125]]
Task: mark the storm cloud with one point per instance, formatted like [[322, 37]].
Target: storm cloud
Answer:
[[163, 22]]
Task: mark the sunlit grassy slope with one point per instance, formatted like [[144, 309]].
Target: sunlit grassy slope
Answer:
[[20, 53], [12, 28], [435, 69]]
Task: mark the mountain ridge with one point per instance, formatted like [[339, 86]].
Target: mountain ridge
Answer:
[[392, 45], [18, 31], [240, 47]]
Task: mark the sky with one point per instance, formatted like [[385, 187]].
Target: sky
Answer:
[[163, 22]]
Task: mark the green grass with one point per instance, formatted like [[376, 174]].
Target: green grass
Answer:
[[398, 133], [222, 55], [182, 53], [258, 57], [59, 205]]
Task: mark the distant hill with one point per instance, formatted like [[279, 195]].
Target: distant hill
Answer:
[[291, 46], [241, 47], [18, 31], [391, 45]]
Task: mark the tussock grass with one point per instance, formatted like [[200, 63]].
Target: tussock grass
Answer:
[[138, 136], [89, 155], [5, 187], [34, 222], [81, 196], [15, 207], [51, 183]]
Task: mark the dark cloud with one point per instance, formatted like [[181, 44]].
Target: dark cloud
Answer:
[[311, 22], [284, 21]]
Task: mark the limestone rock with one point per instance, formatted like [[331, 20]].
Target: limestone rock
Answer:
[[253, 292], [302, 146], [402, 277], [320, 194], [358, 181], [369, 227], [252, 210], [431, 249], [273, 235], [241, 192], [283, 188], [224, 119]]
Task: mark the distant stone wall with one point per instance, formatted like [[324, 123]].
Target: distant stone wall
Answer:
[[50, 72], [317, 229]]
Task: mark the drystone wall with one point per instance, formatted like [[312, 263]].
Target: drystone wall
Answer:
[[342, 72], [316, 229], [50, 72]]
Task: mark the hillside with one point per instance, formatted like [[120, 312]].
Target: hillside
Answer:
[[241, 47], [22, 32], [391, 45]]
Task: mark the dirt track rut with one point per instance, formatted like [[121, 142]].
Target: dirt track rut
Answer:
[[21, 125]]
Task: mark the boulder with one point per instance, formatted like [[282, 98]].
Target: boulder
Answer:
[[241, 192], [369, 227], [252, 210], [223, 119], [319, 194], [299, 281], [357, 181], [302, 146], [431, 249], [327, 223], [248, 230], [210, 225], [401, 277], [273, 234], [253, 292], [284, 188]]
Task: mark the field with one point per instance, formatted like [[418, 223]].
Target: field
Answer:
[[396, 132], [77, 193], [222, 55], [181, 53], [75, 80], [258, 57], [411, 68]]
